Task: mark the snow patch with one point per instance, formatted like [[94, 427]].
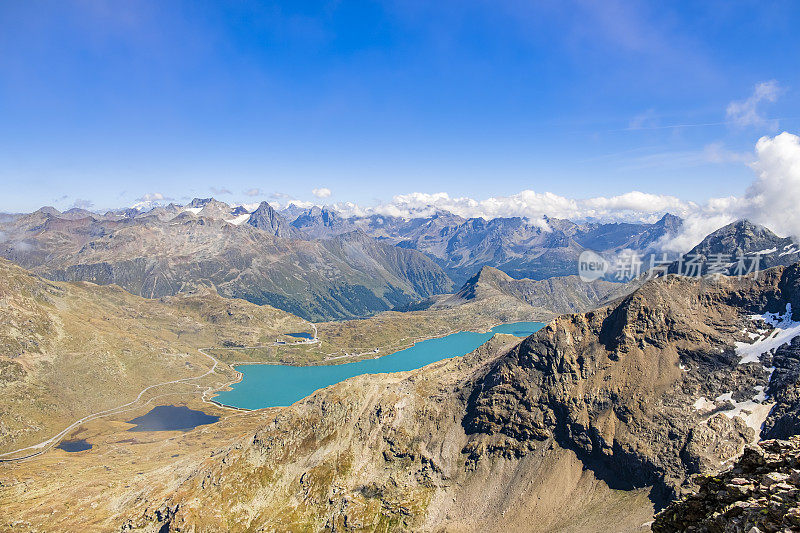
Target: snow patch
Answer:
[[241, 219], [754, 412], [785, 330], [702, 404], [193, 210], [761, 396]]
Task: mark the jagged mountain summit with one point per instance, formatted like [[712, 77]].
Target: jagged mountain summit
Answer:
[[267, 219]]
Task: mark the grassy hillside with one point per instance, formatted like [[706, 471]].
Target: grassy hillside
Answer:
[[71, 349]]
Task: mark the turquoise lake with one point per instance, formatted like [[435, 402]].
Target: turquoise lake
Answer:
[[272, 385]]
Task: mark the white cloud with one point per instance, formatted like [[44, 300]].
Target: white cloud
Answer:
[[321, 192], [644, 121], [151, 197], [82, 204], [745, 112], [774, 197], [220, 191], [528, 204], [253, 192], [716, 152], [771, 200], [297, 203]]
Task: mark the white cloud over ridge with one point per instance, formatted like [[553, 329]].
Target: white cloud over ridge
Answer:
[[632, 206], [771, 200], [774, 198], [151, 197]]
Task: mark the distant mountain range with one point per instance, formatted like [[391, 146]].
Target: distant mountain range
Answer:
[[519, 247], [257, 257], [321, 265]]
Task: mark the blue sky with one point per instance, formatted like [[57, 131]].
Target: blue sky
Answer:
[[104, 102]]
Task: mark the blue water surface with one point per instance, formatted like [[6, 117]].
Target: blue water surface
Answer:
[[272, 385]]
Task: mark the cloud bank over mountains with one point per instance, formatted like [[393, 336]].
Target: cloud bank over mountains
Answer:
[[772, 200]]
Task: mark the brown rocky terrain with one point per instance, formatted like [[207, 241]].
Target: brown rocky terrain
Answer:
[[618, 389], [761, 492], [587, 425]]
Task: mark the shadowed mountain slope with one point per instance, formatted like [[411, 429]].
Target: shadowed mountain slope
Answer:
[[153, 257]]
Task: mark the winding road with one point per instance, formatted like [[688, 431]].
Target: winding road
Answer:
[[48, 444]]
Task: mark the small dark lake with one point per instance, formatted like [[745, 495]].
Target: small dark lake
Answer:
[[171, 418], [302, 335], [76, 445]]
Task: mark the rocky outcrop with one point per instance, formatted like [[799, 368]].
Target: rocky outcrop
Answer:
[[760, 493], [731, 250], [568, 294]]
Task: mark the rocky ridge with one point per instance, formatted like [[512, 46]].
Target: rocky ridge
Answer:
[[568, 294], [760, 493], [520, 247]]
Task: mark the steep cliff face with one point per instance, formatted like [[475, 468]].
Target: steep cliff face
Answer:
[[267, 219], [629, 387]]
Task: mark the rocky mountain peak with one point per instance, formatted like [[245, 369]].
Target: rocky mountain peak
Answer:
[[200, 202], [670, 222], [741, 235], [267, 219], [215, 209], [486, 279], [47, 210], [325, 216]]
